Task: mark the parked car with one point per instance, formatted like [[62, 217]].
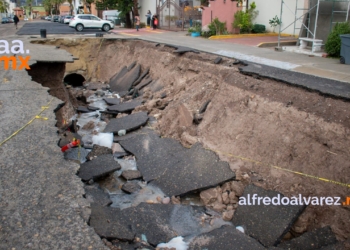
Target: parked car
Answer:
[[60, 19], [88, 21], [48, 18], [55, 18], [5, 20], [10, 19], [67, 19], [25, 19], [43, 17]]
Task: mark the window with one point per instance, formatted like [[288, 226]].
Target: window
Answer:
[[85, 17], [94, 18]]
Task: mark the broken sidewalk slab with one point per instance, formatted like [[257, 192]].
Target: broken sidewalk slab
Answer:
[[110, 223], [225, 238], [97, 168], [112, 101], [125, 107], [266, 223], [96, 195], [125, 83], [324, 86], [316, 239], [129, 123], [173, 168]]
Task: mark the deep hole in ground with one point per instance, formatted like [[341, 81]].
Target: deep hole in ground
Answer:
[[258, 119]]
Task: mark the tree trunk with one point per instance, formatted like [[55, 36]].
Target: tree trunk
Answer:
[[127, 21], [136, 7]]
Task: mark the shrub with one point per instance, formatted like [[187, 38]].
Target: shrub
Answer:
[[274, 22], [332, 46], [216, 27], [258, 28], [244, 19]]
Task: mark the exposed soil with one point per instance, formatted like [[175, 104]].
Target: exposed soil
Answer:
[[258, 119]]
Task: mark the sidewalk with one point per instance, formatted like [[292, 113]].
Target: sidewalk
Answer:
[[322, 67]]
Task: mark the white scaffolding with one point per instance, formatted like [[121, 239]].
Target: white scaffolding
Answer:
[[305, 22]]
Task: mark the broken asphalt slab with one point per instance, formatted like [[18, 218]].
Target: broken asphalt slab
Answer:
[[112, 101], [96, 195], [110, 223], [129, 123], [181, 49], [316, 239], [125, 82], [266, 223], [98, 150], [225, 238], [173, 168], [158, 222], [314, 83], [97, 168], [125, 107]]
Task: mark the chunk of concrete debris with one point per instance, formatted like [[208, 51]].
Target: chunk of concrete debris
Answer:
[[182, 170], [130, 187], [103, 139], [177, 243], [129, 123], [110, 223], [316, 239], [126, 106], [96, 195], [125, 82], [76, 154], [218, 60], [266, 223], [225, 238], [98, 150], [131, 174], [112, 101], [98, 168]]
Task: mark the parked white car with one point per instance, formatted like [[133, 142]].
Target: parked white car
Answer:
[[67, 19], [88, 21]]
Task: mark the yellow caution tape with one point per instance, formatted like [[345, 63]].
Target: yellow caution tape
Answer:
[[280, 168], [35, 117]]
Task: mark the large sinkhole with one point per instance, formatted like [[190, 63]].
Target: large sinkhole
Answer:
[[74, 79], [190, 129]]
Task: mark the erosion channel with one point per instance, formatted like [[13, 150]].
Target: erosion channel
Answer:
[[170, 141]]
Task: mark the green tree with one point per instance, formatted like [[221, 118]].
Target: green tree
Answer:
[[3, 6]]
